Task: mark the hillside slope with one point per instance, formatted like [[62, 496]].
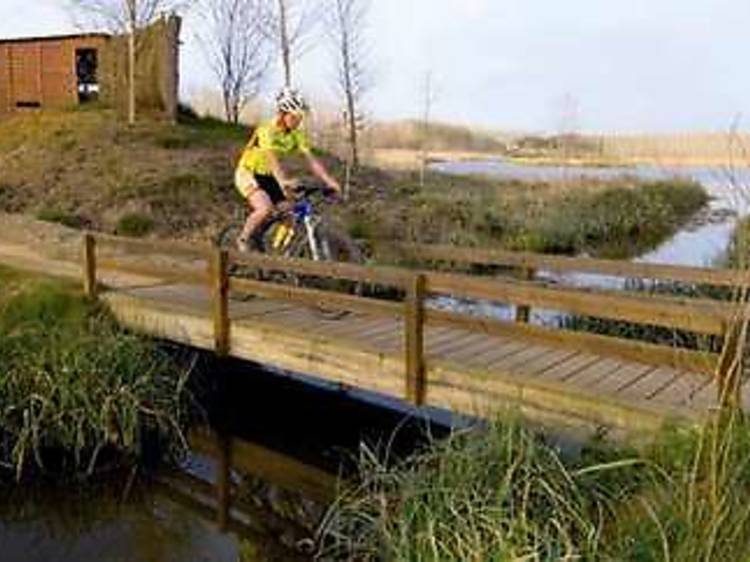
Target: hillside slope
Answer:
[[86, 170]]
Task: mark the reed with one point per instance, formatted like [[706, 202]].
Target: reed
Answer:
[[504, 493], [76, 391]]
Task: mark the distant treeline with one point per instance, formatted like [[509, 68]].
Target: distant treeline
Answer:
[[684, 146], [436, 136]]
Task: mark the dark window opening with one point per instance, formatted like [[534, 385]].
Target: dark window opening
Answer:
[[23, 104], [86, 67]]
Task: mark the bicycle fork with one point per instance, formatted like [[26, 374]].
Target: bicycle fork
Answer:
[[318, 248]]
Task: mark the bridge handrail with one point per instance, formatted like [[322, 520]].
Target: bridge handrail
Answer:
[[693, 315], [565, 264]]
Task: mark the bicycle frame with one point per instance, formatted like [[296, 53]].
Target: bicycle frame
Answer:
[[303, 214]]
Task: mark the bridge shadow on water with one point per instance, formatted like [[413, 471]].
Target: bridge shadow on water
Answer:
[[318, 423]]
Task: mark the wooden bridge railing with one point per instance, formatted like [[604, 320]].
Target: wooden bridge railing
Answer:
[[530, 262], [415, 287]]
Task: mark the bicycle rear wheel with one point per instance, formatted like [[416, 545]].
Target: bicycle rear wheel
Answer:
[[333, 246]]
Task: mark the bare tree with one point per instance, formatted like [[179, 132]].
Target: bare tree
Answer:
[[346, 25], [124, 16], [428, 100], [237, 50], [118, 16], [289, 23]]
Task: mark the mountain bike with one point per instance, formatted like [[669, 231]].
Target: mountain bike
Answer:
[[299, 231]]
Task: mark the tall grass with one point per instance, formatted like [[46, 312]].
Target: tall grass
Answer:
[[504, 494], [75, 389], [618, 218]]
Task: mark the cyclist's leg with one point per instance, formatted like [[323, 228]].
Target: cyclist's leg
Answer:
[[260, 209], [259, 205]]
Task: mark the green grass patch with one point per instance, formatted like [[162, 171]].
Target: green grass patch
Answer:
[[57, 215], [615, 222], [193, 131], [503, 493], [76, 390], [620, 218], [135, 225]]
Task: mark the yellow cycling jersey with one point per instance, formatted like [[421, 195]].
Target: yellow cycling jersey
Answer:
[[270, 136]]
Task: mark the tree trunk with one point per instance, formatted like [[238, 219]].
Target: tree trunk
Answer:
[[131, 61], [286, 55], [350, 101]]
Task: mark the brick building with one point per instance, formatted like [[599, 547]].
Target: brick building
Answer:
[[49, 72], [68, 70]]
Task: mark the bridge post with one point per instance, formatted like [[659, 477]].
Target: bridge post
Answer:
[[416, 384], [223, 480], [89, 265], [219, 276], [523, 312]]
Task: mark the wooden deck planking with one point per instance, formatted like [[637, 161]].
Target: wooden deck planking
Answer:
[[367, 351], [511, 347], [594, 373], [436, 337], [626, 375], [571, 365], [649, 385], [479, 345], [460, 341], [509, 362], [546, 361], [681, 390]]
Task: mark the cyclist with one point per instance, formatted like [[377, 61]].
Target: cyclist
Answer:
[[260, 177]]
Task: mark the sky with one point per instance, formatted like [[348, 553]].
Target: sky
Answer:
[[535, 65]]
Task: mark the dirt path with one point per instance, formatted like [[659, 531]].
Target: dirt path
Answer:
[[52, 249]]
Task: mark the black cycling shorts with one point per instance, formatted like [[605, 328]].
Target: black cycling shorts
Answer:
[[271, 186]]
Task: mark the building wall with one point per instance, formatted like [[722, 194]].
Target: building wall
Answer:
[[157, 68], [42, 71]]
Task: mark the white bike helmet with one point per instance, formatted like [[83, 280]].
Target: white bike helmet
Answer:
[[291, 101]]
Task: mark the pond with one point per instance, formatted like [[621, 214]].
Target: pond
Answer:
[[702, 242]]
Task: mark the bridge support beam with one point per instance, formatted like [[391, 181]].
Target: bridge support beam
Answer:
[[219, 276], [416, 383], [223, 480], [89, 266], [523, 312]]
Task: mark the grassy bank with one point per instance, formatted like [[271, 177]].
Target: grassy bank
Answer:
[[85, 169], [505, 494], [77, 393], [618, 218]]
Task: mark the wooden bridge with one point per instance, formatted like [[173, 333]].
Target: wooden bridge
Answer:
[[401, 345]]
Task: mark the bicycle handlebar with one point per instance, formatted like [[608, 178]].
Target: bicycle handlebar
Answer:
[[306, 190]]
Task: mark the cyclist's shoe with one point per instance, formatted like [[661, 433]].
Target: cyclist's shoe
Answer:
[[252, 244], [256, 242], [242, 245]]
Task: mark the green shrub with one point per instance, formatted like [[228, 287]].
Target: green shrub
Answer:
[[134, 224], [174, 142], [7, 194], [56, 215]]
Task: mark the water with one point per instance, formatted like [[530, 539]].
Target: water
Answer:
[[702, 242], [293, 430], [51, 526]]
